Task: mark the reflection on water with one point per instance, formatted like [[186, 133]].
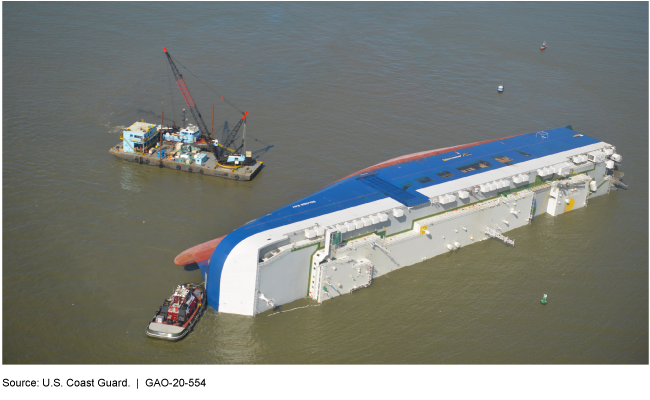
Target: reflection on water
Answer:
[[132, 179]]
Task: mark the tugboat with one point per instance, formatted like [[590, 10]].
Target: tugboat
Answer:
[[543, 46], [179, 313]]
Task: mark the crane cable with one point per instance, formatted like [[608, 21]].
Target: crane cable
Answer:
[[268, 146], [215, 92], [171, 96]]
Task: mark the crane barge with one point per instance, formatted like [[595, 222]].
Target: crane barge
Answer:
[[189, 149]]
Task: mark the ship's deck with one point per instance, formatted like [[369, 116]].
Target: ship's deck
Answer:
[[164, 328]]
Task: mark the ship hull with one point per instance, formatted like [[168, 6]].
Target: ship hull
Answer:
[[400, 213]]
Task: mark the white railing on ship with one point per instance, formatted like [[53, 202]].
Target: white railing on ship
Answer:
[[403, 237], [471, 209], [305, 243], [539, 188], [497, 235], [342, 260], [274, 258], [358, 243]]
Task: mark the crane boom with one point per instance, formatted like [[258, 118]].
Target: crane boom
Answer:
[[230, 139], [188, 97]]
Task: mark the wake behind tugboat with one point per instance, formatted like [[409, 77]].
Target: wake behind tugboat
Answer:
[[179, 313]]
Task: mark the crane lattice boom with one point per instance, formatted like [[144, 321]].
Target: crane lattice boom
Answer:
[[188, 97], [230, 139]]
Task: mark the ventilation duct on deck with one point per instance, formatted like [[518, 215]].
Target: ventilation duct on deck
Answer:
[[310, 233], [563, 169], [596, 156]]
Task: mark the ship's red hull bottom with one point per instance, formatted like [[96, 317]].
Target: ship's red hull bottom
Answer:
[[198, 253]]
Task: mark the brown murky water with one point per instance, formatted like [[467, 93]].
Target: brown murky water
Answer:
[[334, 88]]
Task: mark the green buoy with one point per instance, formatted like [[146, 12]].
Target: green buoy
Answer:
[[543, 301]]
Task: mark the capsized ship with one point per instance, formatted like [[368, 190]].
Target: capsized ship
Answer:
[[401, 212]]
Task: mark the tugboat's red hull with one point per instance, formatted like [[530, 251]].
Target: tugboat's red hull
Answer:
[[542, 48]]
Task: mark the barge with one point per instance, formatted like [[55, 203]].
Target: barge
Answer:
[[210, 167], [140, 145], [192, 148]]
